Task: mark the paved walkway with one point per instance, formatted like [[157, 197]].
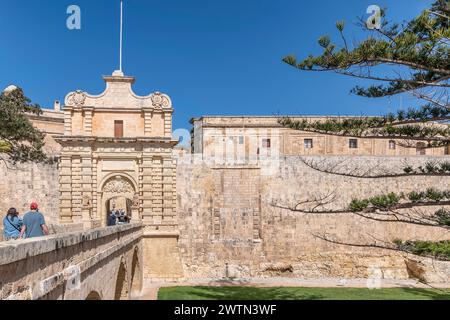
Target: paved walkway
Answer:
[[150, 291]]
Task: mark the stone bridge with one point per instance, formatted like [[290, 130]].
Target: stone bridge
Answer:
[[99, 264]]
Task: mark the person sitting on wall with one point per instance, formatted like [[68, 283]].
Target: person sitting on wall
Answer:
[[12, 225], [34, 223]]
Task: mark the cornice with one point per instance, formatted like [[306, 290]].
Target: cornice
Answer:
[[89, 139]]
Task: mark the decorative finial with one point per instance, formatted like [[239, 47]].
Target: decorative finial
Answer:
[[118, 73]]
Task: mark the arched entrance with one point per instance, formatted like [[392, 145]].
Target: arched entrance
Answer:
[[119, 193], [120, 203]]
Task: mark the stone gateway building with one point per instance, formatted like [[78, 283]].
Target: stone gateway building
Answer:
[[220, 212], [117, 147]]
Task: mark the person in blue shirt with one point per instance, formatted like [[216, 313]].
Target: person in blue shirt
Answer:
[[12, 225], [34, 223], [112, 219]]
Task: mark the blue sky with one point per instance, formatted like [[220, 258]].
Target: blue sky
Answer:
[[213, 57]]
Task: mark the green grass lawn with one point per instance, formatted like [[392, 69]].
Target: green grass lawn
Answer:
[[287, 293]]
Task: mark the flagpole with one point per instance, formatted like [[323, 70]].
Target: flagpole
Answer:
[[121, 33]]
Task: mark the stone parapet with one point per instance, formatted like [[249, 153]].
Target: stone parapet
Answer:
[[13, 251], [73, 265]]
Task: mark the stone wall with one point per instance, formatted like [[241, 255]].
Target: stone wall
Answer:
[[246, 137], [23, 184], [229, 226], [96, 264]]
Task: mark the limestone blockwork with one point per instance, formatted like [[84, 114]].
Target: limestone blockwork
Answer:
[[230, 227], [117, 153], [193, 218], [121, 292], [25, 183], [89, 265]]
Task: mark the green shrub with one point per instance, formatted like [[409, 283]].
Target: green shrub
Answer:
[[358, 205], [442, 217], [430, 167], [416, 196], [444, 167], [434, 195], [408, 169], [385, 201], [439, 250]]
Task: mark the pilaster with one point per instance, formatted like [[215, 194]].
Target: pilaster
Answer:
[[147, 122], [88, 113], [65, 189], [67, 121]]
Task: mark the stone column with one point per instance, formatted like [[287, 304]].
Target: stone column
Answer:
[[157, 191], [88, 113], [76, 189], [147, 122], [95, 200], [169, 193], [67, 121], [86, 190], [145, 186], [168, 124], [65, 189], [161, 251]]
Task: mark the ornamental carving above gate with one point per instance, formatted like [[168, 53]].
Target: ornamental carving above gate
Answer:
[[118, 185]]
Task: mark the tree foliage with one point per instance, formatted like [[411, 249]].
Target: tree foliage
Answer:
[[418, 55], [19, 140], [409, 58]]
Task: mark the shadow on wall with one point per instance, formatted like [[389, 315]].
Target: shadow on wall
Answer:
[[94, 295], [121, 284], [136, 276]]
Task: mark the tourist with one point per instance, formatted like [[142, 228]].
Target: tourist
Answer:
[[12, 225], [127, 218], [34, 223], [122, 216]]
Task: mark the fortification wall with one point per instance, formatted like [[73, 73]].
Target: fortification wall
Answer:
[[230, 228]]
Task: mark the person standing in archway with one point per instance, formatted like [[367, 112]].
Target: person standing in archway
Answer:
[[34, 223], [111, 219]]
